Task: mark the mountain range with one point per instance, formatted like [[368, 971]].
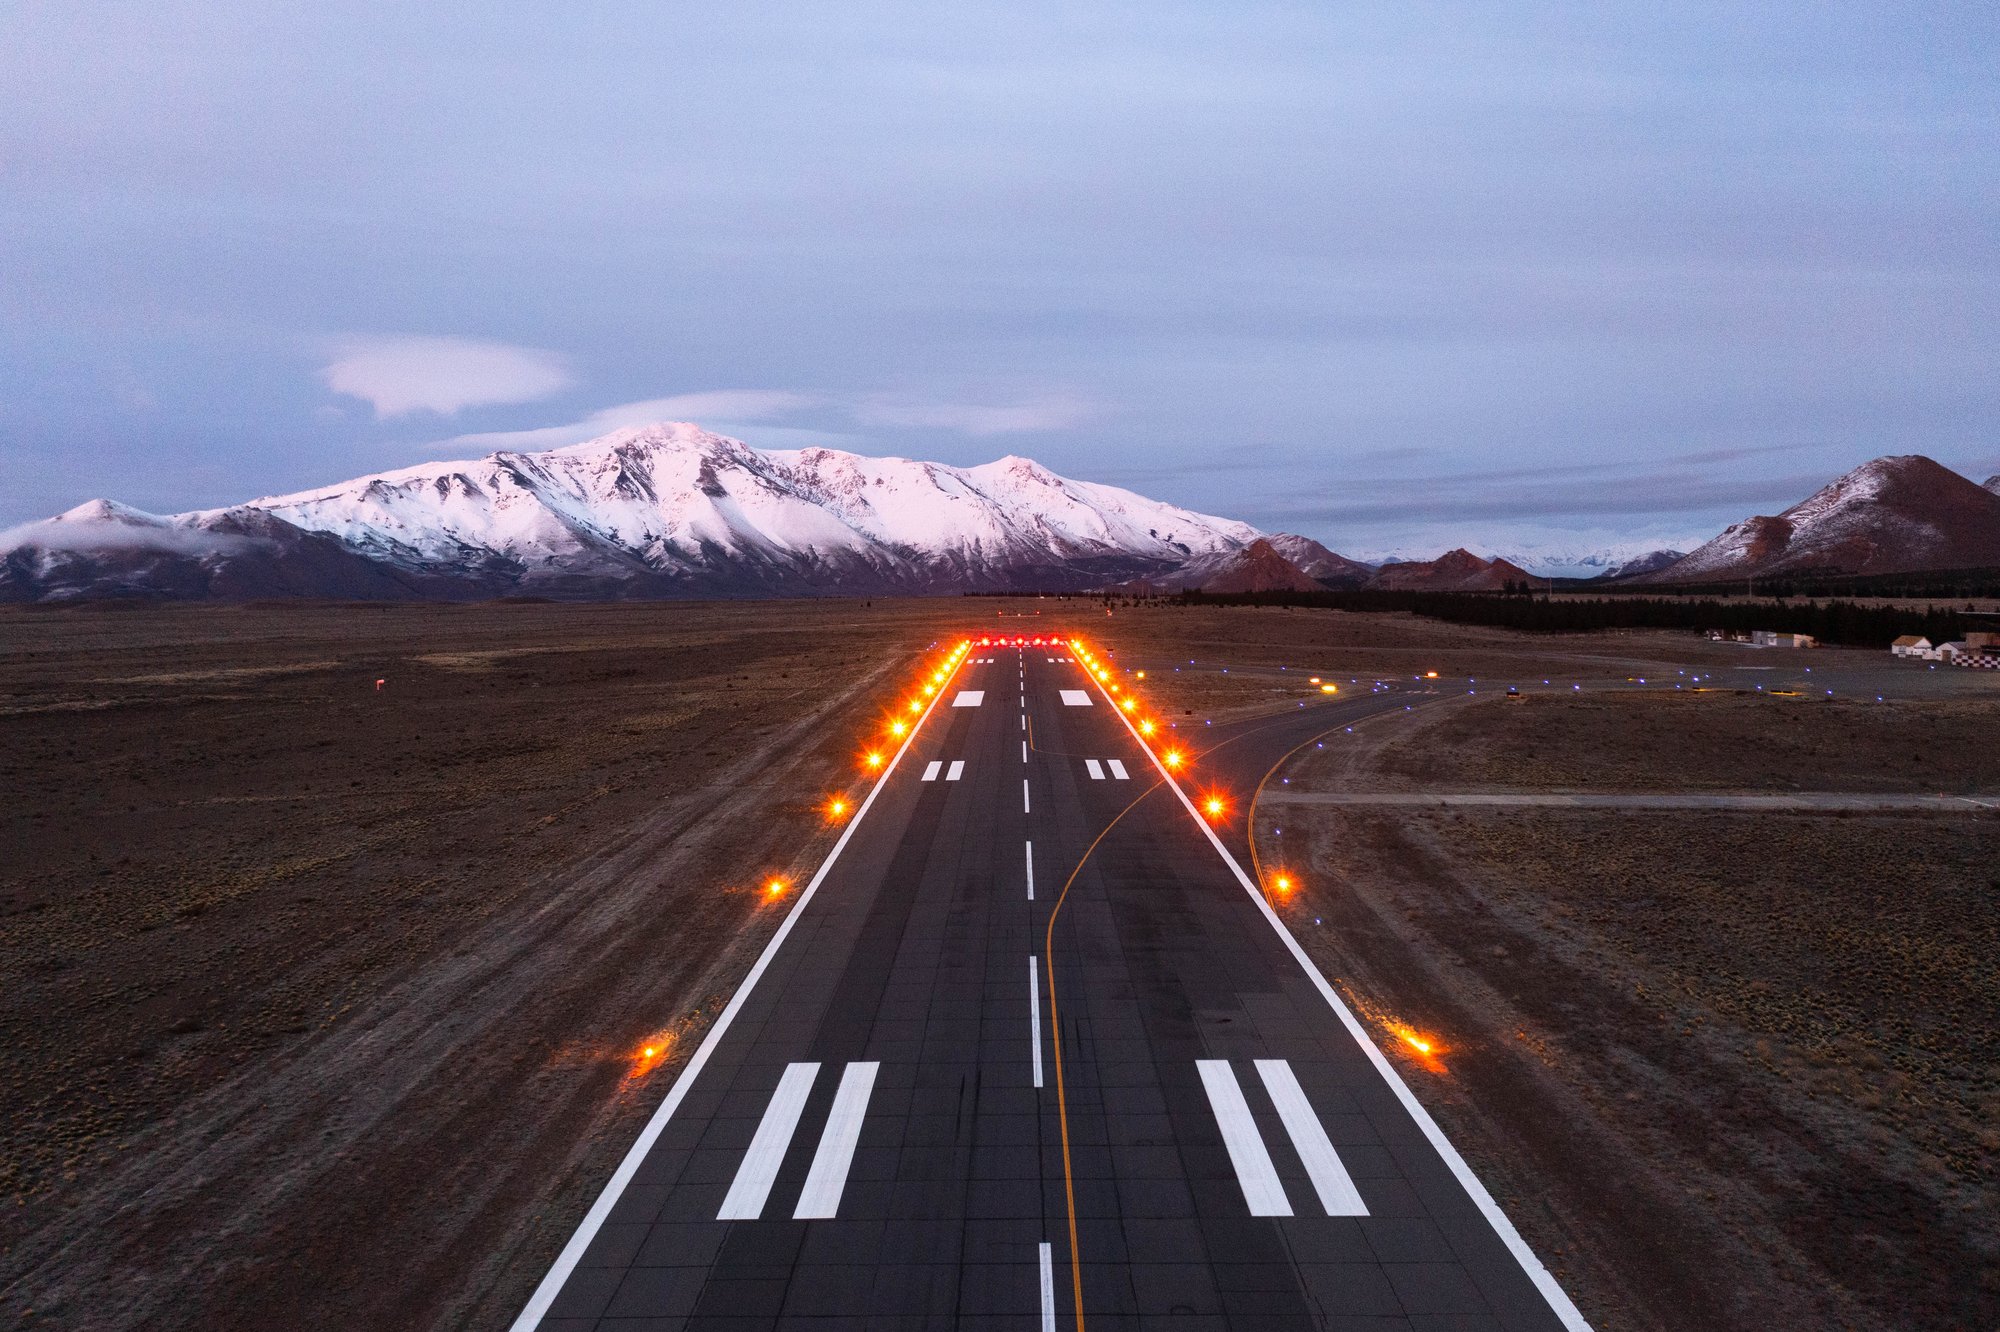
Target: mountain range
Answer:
[[673, 510]]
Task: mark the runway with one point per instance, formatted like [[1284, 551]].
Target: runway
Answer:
[[1031, 1051]]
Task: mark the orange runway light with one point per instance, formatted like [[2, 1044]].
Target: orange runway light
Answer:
[[1283, 883], [1173, 758], [1142, 675], [898, 727], [1129, 704], [776, 888], [874, 760], [916, 705], [1213, 805], [836, 807], [1329, 689], [1146, 727], [1430, 675]]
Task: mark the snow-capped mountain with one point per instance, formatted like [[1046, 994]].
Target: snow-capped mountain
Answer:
[[667, 510], [1892, 515], [1641, 564]]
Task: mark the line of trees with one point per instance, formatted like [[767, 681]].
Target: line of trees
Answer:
[[1838, 622]]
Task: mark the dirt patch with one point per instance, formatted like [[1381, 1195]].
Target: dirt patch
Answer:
[[300, 979], [1684, 741], [1726, 1070]]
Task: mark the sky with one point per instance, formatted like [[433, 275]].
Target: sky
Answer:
[[1398, 277]]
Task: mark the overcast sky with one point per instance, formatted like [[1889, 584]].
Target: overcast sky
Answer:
[[1396, 276]]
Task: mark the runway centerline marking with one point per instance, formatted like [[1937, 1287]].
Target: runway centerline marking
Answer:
[[767, 1150], [1254, 1171], [1048, 1289], [1329, 1177], [828, 1176], [1025, 808], [1031, 870], [1035, 1012], [1024, 751]]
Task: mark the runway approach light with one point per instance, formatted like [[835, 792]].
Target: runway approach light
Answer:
[[1142, 675], [1283, 883]]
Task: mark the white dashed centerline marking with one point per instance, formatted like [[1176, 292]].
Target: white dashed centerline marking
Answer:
[[1048, 1289], [1035, 1012], [828, 1176], [1330, 1178], [1254, 1171], [1024, 797], [956, 771], [767, 1150], [1024, 751], [1031, 871]]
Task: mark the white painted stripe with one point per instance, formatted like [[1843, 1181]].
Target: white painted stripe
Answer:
[[828, 1176], [969, 698], [1048, 1289], [767, 1150], [1031, 871], [1118, 770], [1035, 1012], [1095, 768], [1024, 721], [1076, 698], [580, 1240], [1024, 751], [1330, 1178], [1551, 1290], [931, 769], [956, 771], [1254, 1171], [1025, 809]]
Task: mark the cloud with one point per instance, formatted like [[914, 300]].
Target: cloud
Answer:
[[1051, 412], [90, 536], [404, 374], [712, 408]]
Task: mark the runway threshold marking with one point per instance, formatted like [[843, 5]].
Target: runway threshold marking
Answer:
[[580, 1239], [931, 770], [1330, 1179], [1117, 769], [752, 1185], [1544, 1281], [1095, 769], [1075, 698], [828, 1176], [955, 771], [1258, 1178], [969, 698]]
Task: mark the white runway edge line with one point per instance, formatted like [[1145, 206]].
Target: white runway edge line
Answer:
[[559, 1272], [1254, 1171], [1558, 1300], [828, 1176], [1035, 1011], [1330, 1179], [752, 1185]]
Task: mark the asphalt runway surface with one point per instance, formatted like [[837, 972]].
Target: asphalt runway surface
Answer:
[[1031, 1051]]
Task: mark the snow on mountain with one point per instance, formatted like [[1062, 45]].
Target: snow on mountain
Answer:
[[1316, 560], [1642, 564], [1891, 515], [675, 510], [1991, 483]]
